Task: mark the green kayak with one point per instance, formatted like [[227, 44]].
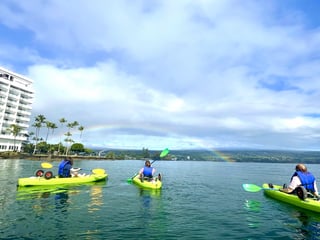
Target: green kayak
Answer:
[[272, 191]]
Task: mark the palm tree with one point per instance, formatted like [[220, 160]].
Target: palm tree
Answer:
[[62, 121], [48, 125], [75, 124], [53, 127], [39, 120], [69, 134], [14, 129], [68, 141], [81, 128]]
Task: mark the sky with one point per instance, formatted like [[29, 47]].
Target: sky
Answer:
[[183, 74]]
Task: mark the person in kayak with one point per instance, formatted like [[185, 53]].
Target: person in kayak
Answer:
[[65, 167], [301, 177], [147, 171]]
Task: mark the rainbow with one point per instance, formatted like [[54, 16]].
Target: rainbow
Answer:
[[160, 138], [207, 146]]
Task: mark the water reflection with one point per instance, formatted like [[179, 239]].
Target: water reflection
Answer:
[[253, 218], [148, 195], [25, 193], [61, 199], [96, 198], [310, 225], [252, 205]]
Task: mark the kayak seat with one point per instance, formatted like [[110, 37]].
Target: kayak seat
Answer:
[[148, 179], [301, 192]]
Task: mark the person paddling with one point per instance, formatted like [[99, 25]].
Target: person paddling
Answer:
[[65, 167], [147, 171], [301, 177]]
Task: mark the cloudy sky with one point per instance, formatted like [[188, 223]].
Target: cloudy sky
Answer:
[[179, 74]]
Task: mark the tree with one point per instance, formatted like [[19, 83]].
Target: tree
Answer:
[[50, 126], [14, 129], [145, 153], [81, 128], [110, 155], [43, 147], [77, 147], [53, 127], [68, 141], [39, 120], [62, 122], [69, 134]]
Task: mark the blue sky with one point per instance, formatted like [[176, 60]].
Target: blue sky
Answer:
[[178, 74]]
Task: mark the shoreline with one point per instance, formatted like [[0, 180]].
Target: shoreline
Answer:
[[40, 157]]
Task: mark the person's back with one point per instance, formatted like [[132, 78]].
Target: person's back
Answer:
[[301, 177], [306, 179], [64, 168]]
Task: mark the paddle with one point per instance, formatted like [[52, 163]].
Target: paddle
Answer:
[[97, 171], [255, 188], [162, 155]]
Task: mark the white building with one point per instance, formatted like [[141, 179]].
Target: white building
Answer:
[[16, 98]]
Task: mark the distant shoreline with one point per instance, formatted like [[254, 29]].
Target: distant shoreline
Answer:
[[254, 156], [40, 157]]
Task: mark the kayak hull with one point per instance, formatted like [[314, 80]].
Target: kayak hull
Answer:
[[292, 199], [41, 181], [155, 183]]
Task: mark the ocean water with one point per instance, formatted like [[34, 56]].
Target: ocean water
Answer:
[[199, 200]]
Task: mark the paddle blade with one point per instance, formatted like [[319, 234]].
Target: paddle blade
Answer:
[[251, 187], [164, 153], [98, 171], [129, 180], [46, 165]]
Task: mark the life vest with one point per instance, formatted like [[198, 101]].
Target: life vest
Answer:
[[306, 179], [63, 170], [147, 171]]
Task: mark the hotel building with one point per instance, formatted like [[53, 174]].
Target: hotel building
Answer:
[[16, 98]]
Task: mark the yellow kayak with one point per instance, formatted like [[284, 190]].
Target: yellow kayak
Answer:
[[43, 181], [308, 203], [154, 183]]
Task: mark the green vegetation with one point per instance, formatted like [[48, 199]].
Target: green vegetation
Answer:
[[262, 156], [269, 156], [14, 129], [39, 145]]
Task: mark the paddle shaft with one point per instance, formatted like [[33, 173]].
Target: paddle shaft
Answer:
[[162, 154]]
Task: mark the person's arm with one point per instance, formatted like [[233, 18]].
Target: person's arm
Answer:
[[286, 190], [68, 168], [295, 182], [153, 171]]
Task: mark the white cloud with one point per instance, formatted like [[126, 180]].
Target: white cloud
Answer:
[[198, 71]]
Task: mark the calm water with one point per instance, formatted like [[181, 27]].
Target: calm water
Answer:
[[199, 200]]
